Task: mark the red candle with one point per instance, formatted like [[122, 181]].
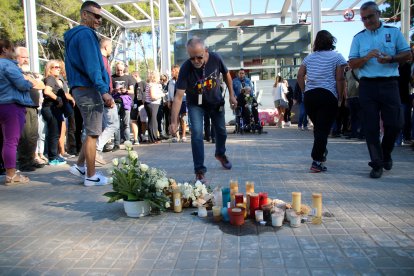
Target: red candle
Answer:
[[254, 204], [262, 199], [238, 198]]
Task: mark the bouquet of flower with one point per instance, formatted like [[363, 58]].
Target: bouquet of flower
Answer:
[[134, 181], [198, 193]]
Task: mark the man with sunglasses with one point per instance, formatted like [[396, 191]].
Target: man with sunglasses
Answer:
[[199, 78], [89, 81], [376, 52]]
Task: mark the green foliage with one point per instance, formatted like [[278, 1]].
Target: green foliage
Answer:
[[12, 20]]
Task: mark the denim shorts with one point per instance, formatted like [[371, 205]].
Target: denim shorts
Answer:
[[91, 106]]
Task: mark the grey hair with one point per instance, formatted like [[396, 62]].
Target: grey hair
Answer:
[[370, 5], [195, 40]]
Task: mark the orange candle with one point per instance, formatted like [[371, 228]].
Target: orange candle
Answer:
[[317, 206], [234, 189], [249, 187]]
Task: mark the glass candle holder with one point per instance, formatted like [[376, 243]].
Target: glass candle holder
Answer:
[[225, 193], [259, 215], [262, 198]]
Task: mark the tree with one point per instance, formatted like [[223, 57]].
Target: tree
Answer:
[[393, 12], [11, 20]]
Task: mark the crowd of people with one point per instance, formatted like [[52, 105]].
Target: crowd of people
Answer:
[[80, 108]]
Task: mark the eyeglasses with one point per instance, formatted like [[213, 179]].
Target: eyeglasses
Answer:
[[368, 17], [97, 16], [197, 57], [55, 67]]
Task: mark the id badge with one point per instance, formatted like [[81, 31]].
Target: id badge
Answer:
[[200, 99]]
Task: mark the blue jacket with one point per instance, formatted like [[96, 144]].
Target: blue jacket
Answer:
[[83, 59], [13, 86], [237, 85]]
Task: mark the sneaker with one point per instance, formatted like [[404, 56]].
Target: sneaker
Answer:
[[287, 124], [200, 177], [115, 148], [224, 161], [57, 162], [305, 128], [174, 140], [99, 159], [318, 167], [67, 155], [78, 171], [136, 142], [300, 128], [388, 164], [184, 139], [97, 180]]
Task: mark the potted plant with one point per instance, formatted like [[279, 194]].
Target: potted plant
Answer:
[[139, 186]]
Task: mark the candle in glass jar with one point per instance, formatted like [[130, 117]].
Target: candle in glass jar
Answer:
[[262, 199], [296, 201], [238, 198], [216, 213], [317, 206], [254, 204], [249, 187], [259, 215], [178, 207], [234, 189], [225, 193]]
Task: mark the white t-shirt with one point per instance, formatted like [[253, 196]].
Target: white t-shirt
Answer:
[[279, 92]]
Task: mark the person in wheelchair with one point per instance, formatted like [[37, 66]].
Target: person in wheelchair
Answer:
[[249, 109]]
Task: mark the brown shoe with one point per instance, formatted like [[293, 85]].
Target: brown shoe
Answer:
[[224, 161]]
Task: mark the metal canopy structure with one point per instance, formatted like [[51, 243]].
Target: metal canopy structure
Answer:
[[192, 12]]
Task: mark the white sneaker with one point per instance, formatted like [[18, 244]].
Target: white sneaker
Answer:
[[97, 180], [78, 171]]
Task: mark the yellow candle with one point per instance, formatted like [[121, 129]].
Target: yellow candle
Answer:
[[216, 213], [296, 201], [317, 205], [234, 189], [178, 207], [249, 187]]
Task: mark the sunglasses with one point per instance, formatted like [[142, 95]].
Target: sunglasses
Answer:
[[97, 16], [197, 57], [368, 17], [55, 67]]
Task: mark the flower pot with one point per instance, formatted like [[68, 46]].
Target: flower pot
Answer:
[[136, 209]]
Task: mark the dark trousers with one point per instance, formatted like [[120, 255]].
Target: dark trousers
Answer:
[[208, 127], [78, 128], [355, 116], [71, 146], [152, 111], [53, 118], [380, 98], [321, 106], [407, 107], [28, 139]]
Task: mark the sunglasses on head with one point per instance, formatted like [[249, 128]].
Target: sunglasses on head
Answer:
[[97, 16], [197, 57]]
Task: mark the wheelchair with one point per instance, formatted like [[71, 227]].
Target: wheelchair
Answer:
[[246, 124]]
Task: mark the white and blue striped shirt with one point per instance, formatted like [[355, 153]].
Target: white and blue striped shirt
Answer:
[[321, 70]]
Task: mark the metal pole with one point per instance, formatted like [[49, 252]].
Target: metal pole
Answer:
[[187, 15], [405, 19], [294, 12], [316, 18], [154, 45], [136, 51], [165, 37], [31, 34]]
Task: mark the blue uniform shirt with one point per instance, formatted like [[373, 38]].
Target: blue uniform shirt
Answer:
[[386, 39]]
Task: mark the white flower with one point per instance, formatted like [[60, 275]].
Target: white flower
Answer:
[[123, 160], [110, 172], [128, 145], [144, 167], [115, 161], [167, 204], [133, 155], [110, 180]]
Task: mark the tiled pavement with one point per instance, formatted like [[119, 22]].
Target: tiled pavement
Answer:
[[55, 226]]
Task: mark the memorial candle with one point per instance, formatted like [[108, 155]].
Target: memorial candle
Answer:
[[238, 198], [262, 199], [317, 206], [296, 201], [225, 193], [254, 204], [249, 187], [234, 189]]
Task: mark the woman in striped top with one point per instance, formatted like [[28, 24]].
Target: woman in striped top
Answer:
[[324, 71]]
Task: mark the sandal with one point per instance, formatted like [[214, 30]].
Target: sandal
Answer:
[[39, 160], [44, 158], [16, 179]]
